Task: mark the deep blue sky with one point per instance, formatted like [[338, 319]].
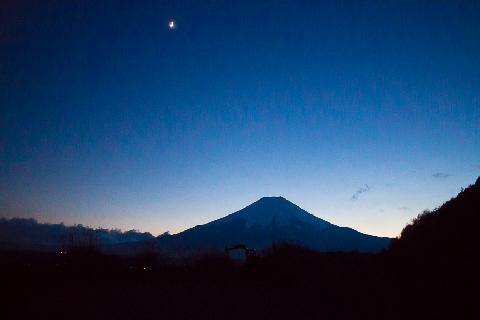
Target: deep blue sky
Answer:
[[363, 113]]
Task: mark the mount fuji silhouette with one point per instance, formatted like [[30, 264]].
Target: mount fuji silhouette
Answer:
[[265, 222]]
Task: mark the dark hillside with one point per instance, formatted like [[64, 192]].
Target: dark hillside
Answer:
[[449, 231], [434, 263]]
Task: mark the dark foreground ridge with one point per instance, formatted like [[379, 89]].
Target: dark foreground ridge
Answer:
[[430, 272]]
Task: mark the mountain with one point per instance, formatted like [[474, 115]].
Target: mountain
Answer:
[[267, 221], [28, 234]]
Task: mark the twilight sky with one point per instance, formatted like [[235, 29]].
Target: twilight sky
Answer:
[[362, 113]]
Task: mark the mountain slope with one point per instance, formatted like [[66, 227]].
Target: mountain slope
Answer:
[[449, 230], [435, 260], [270, 220]]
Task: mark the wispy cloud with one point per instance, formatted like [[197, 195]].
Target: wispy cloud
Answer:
[[359, 192], [441, 175], [404, 208]]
